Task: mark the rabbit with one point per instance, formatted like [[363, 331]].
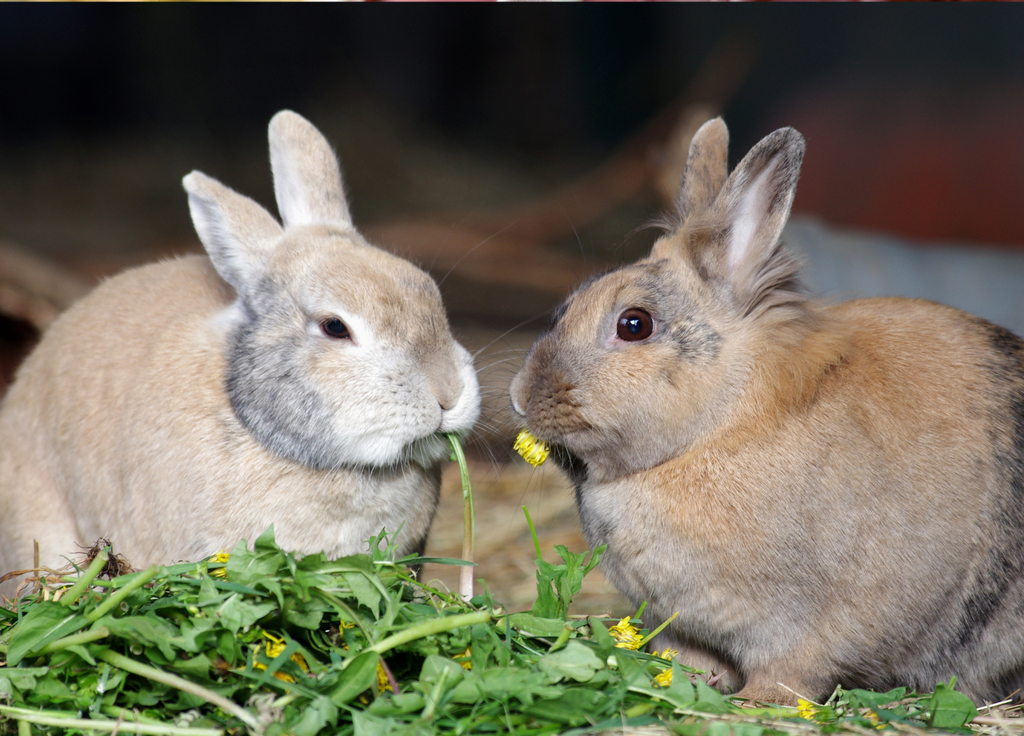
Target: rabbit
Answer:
[[827, 494], [297, 376]]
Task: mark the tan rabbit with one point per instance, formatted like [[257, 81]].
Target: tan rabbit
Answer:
[[826, 494], [299, 376]]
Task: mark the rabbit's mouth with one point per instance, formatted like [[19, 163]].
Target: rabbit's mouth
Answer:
[[565, 428], [426, 451]]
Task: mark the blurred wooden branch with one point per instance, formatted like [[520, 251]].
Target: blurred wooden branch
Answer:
[[33, 289], [33, 292], [501, 265], [509, 249]]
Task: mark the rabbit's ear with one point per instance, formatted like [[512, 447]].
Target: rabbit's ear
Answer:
[[756, 201], [236, 232], [307, 179], [707, 168]]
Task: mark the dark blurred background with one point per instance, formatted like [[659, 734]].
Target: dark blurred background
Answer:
[[511, 149], [913, 114]]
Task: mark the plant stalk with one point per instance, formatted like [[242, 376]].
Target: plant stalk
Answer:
[[97, 564], [427, 628], [563, 638], [137, 668], [123, 713], [435, 695], [82, 637], [115, 599], [533, 532], [43, 718], [657, 631], [468, 519]]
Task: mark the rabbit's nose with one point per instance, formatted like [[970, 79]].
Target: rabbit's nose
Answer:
[[446, 391]]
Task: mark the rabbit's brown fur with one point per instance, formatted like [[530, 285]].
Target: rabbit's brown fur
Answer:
[[188, 404], [827, 494]]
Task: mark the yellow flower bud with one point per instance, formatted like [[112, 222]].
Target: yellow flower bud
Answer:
[[220, 572], [533, 450]]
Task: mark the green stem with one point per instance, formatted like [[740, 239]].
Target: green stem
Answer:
[[639, 709], [137, 668], [656, 631], [97, 564], [533, 532], [563, 638], [115, 599], [428, 628], [96, 583], [286, 699], [127, 714], [24, 729], [44, 718], [468, 519], [435, 696], [82, 637]]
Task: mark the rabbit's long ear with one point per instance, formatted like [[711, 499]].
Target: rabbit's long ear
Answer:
[[236, 232], [707, 167], [307, 179], [755, 203]]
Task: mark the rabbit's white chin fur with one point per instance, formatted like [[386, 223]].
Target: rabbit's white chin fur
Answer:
[[386, 451], [428, 450]]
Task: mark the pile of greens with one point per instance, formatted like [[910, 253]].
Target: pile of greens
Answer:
[[272, 643]]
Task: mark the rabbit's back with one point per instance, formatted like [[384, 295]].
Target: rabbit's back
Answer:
[[131, 436], [70, 454]]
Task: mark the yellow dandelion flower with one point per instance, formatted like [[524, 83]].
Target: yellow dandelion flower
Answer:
[[625, 634], [273, 648], [383, 683], [533, 450], [463, 659], [220, 572], [664, 678], [873, 717], [805, 709]]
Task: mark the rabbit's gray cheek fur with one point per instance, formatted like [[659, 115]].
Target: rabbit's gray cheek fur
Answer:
[[276, 402], [695, 340]]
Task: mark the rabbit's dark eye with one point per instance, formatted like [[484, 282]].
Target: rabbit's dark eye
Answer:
[[635, 324], [335, 328]]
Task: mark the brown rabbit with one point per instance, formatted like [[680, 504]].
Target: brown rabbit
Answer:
[[299, 376], [826, 494]]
